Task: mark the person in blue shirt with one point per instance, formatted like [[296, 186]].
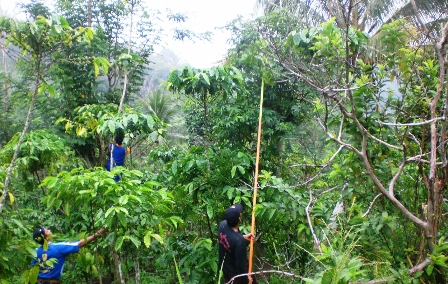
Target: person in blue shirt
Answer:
[[56, 251], [118, 154]]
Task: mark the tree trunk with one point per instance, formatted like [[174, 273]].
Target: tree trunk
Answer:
[[89, 13], [123, 95], [118, 268], [137, 270]]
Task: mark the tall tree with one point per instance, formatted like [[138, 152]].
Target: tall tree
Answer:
[[38, 40], [376, 124]]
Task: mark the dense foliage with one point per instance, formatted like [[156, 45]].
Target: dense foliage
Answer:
[[353, 162]]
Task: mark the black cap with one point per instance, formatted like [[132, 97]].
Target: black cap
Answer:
[[232, 214], [39, 235]]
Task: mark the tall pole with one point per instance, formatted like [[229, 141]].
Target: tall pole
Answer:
[[257, 160]]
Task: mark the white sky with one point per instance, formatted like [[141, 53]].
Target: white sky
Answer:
[[204, 15]]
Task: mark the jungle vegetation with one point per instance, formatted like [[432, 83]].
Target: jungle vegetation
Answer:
[[353, 161]]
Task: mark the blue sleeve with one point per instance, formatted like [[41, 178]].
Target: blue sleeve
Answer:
[[67, 248]]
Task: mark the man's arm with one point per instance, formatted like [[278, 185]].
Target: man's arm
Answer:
[[83, 242]]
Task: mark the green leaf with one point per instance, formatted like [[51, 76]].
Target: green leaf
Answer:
[[233, 171], [34, 273], [111, 125], [134, 118], [206, 78], [214, 266], [94, 271], [174, 167], [147, 239], [230, 192], [119, 243], [96, 68], [271, 214], [135, 241], [429, 269], [51, 90], [210, 212], [64, 23], [122, 209], [158, 238], [122, 219], [123, 200], [105, 65], [109, 211]]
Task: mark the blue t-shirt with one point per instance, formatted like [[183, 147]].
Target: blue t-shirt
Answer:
[[118, 155], [58, 251]]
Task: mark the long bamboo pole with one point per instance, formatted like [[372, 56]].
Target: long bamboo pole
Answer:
[[257, 160]]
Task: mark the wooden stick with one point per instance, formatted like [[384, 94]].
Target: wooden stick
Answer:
[[257, 159]]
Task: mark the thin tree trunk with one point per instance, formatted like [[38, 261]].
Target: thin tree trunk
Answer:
[[19, 143], [118, 268], [137, 270], [89, 13], [123, 95]]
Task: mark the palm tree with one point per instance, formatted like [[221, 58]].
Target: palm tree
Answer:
[[168, 110]]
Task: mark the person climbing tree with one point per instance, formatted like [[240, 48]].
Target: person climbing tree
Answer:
[[49, 274], [117, 155], [232, 246]]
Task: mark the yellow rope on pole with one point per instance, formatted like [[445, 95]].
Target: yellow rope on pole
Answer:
[[257, 160]]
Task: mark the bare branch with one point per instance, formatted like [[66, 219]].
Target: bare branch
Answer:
[[383, 142], [289, 274], [308, 217], [420, 266], [371, 205], [396, 176], [413, 124]]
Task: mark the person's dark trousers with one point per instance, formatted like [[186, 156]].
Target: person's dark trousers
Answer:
[[47, 281]]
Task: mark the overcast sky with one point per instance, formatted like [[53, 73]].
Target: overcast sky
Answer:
[[204, 15]]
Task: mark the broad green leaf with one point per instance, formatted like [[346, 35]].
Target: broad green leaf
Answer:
[[230, 192], [96, 68], [109, 211], [271, 214], [124, 210], [214, 266], [135, 241], [158, 238], [119, 243], [51, 90], [210, 210], [94, 271], [64, 23], [11, 198], [111, 125], [147, 239], [67, 209], [34, 273], [134, 118], [233, 171], [123, 200], [122, 219], [174, 167]]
